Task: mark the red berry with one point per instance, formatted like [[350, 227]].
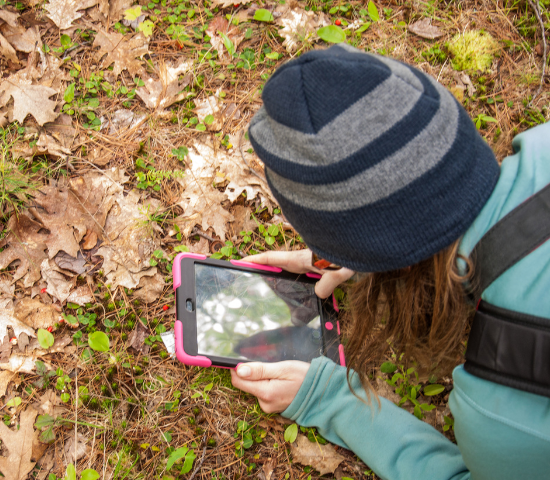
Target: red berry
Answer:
[[50, 329], [43, 290], [13, 341], [236, 5], [338, 22], [166, 307]]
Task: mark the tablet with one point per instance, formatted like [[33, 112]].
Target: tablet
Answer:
[[233, 312]]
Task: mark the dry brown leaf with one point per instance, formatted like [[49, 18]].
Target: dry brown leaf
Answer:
[[58, 284], [81, 296], [323, 458], [9, 320], [133, 241], [7, 50], [9, 17], [90, 240], [73, 453], [35, 314], [24, 243], [150, 288], [17, 465], [122, 119], [70, 212], [161, 93], [267, 469], [28, 100], [45, 464], [228, 3], [220, 24], [424, 28], [64, 12], [5, 378], [49, 403], [19, 363], [137, 337], [22, 39], [66, 262], [121, 51], [114, 8], [298, 25]]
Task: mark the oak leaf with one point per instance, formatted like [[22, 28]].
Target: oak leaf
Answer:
[[424, 28], [132, 240], [58, 284], [7, 50], [298, 25], [28, 100], [121, 51], [161, 93], [150, 288], [5, 378], [21, 38], [323, 458], [35, 314], [17, 465], [25, 243], [9, 17], [64, 12], [220, 25]]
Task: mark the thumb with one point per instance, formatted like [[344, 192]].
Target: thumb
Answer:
[[258, 371], [330, 280]]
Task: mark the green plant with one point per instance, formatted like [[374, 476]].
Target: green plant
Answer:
[[45, 338], [204, 393], [188, 456], [88, 474], [15, 187], [98, 341], [482, 119], [248, 436], [44, 374], [405, 384], [291, 433]]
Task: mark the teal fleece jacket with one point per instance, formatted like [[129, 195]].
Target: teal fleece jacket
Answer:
[[501, 433]]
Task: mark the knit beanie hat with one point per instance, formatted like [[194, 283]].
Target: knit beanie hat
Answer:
[[374, 163]]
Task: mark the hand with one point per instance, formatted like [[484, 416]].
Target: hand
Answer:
[[275, 384], [299, 261]]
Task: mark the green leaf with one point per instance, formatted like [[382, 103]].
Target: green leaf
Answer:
[[65, 40], [209, 119], [132, 14], [272, 55], [332, 34], [226, 251], [44, 421], [269, 240], [363, 27], [208, 387], [373, 11], [71, 472], [434, 389], [201, 127], [388, 367], [14, 402], [175, 456], [247, 440], [98, 341], [273, 230], [65, 397], [291, 433], [146, 28], [263, 15], [47, 436], [69, 93], [45, 338], [229, 46], [188, 463], [89, 474]]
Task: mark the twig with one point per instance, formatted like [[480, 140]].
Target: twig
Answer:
[[202, 459], [196, 231], [535, 8]]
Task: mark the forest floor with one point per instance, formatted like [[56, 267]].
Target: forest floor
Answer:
[[123, 142]]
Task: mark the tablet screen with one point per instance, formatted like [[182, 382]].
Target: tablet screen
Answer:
[[255, 316]]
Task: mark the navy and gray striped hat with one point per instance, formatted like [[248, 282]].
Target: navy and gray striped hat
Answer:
[[373, 162]]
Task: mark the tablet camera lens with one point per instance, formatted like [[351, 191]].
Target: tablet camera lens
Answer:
[[189, 305]]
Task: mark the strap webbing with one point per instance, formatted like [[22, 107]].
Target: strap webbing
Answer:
[[512, 238]]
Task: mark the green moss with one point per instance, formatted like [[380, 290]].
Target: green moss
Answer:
[[474, 50]]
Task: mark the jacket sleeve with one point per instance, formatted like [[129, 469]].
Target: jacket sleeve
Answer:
[[392, 442]]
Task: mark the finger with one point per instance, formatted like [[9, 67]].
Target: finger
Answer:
[[294, 261], [255, 371], [330, 280], [257, 388]]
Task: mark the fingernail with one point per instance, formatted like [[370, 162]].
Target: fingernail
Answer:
[[244, 371]]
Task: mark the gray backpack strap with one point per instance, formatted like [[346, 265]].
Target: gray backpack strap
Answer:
[[512, 238]]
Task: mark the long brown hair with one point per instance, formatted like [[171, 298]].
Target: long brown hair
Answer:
[[418, 311]]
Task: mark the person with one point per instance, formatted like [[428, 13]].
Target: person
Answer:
[[382, 172]]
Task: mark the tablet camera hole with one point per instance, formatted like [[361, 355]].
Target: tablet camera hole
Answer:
[[189, 305]]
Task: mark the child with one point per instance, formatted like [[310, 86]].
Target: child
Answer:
[[380, 170]]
